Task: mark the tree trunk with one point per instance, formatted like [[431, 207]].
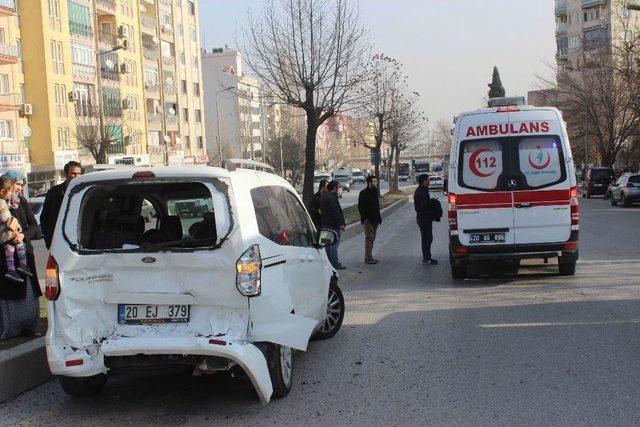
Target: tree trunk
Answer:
[[395, 178], [310, 157], [391, 169], [376, 161]]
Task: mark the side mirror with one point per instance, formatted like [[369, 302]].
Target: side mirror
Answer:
[[326, 238]]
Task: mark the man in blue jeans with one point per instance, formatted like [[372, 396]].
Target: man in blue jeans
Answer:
[[332, 218]]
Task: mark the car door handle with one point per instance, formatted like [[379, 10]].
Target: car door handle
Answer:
[[523, 205]]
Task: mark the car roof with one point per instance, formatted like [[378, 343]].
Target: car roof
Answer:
[[521, 108], [158, 171]]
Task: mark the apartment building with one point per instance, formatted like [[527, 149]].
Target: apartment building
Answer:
[[111, 70], [234, 104], [587, 28], [14, 130]]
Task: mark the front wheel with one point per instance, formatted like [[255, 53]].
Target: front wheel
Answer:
[[280, 363], [334, 315], [83, 386]]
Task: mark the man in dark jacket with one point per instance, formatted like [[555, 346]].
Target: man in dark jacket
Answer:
[[332, 218], [424, 217], [53, 202], [369, 208], [314, 206]]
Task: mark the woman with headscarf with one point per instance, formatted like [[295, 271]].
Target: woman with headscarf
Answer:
[[19, 306]]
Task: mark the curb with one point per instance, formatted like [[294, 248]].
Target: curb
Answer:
[[23, 368], [355, 228]]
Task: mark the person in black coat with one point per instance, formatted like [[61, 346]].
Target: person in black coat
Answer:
[[369, 208], [53, 202], [332, 218], [424, 217], [314, 206]]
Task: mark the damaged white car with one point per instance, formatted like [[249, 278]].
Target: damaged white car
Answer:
[[226, 272]]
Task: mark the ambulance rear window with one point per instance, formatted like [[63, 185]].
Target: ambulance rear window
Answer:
[[481, 164], [540, 161]]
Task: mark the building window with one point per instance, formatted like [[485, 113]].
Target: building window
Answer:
[[187, 141], [198, 116], [196, 89], [54, 15], [185, 114], [192, 8], [150, 77], [184, 86], [4, 84], [82, 54], [79, 19], [109, 67], [57, 57], [84, 106], [131, 37], [574, 42], [111, 102], [126, 6], [63, 138], [60, 99], [194, 62], [192, 32], [6, 129], [200, 142], [182, 59], [179, 30]]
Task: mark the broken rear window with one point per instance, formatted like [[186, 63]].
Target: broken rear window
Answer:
[[152, 215]]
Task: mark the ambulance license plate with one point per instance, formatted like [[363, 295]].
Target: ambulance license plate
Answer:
[[487, 238], [143, 313]]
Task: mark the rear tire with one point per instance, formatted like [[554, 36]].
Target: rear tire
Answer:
[[83, 386], [280, 363], [334, 315], [567, 269]]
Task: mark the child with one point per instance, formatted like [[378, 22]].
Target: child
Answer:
[[10, 230]]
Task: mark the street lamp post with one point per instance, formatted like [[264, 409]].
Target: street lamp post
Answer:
[[219, 122], [586, 130]]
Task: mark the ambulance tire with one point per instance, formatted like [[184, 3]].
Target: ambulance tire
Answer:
[[567, 269], [458, 272], [83, 386]]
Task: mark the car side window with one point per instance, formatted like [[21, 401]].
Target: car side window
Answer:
[[302, 229]]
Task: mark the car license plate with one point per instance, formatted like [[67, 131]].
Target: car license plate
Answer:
[[141, 313], [486, 238]]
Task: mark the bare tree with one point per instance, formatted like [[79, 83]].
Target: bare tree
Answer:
[[85, 129], [442, 137], [375, 101], [406, 127], [311, 54]]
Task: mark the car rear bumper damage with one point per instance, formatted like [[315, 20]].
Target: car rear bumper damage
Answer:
[[121, 352]]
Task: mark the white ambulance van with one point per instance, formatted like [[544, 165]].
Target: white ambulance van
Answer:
[[512, 187]]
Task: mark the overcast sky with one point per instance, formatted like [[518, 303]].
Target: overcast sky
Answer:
[[448, 47]]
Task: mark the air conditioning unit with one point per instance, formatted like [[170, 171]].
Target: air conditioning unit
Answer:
[[125, 68], [26, 110], [126, 104], [123, 31], [74, 96]]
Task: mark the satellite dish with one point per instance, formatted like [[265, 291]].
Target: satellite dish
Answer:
[[169, 80], [143, 8], [167, 139], [109, 63], [26, 131], [156, 40], [172, 111]]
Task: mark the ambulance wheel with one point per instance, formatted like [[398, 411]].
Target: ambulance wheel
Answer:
[[458, 272], [567, 269], [280, 363], [83, 386]]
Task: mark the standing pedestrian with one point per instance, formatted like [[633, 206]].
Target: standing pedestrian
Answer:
[[53, 201], [332, 218], [426, 213], [314, 206], [19, 306], [369, 208]]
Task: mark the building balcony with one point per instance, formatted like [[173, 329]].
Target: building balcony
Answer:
[[167, 29], [561, 54], [83, 72], [110, 74], [107, 7], [166, 2], [148, 25], [561, 27], [150, 52], [157, 154], [153, 89], [154, 121], [8, 147], [107, 40], [9, 54], [594, 3], [7, 7], [172, 121], [10, 102], [80, 29], [561, 7], [168, 60]]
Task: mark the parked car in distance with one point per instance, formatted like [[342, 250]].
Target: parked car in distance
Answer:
[[358, 176], [597, 182], [216, 293], [626, 190], [435, 182]]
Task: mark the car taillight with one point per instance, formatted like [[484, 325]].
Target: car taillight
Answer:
[[248, 272], [575, 208], [453, 212], [52, 281]]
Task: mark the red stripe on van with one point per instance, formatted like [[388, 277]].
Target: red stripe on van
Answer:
[[502, 199]]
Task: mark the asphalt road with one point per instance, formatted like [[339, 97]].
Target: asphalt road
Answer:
[[418, 348]]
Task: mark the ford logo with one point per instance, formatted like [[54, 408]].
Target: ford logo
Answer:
[[148, 260]]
